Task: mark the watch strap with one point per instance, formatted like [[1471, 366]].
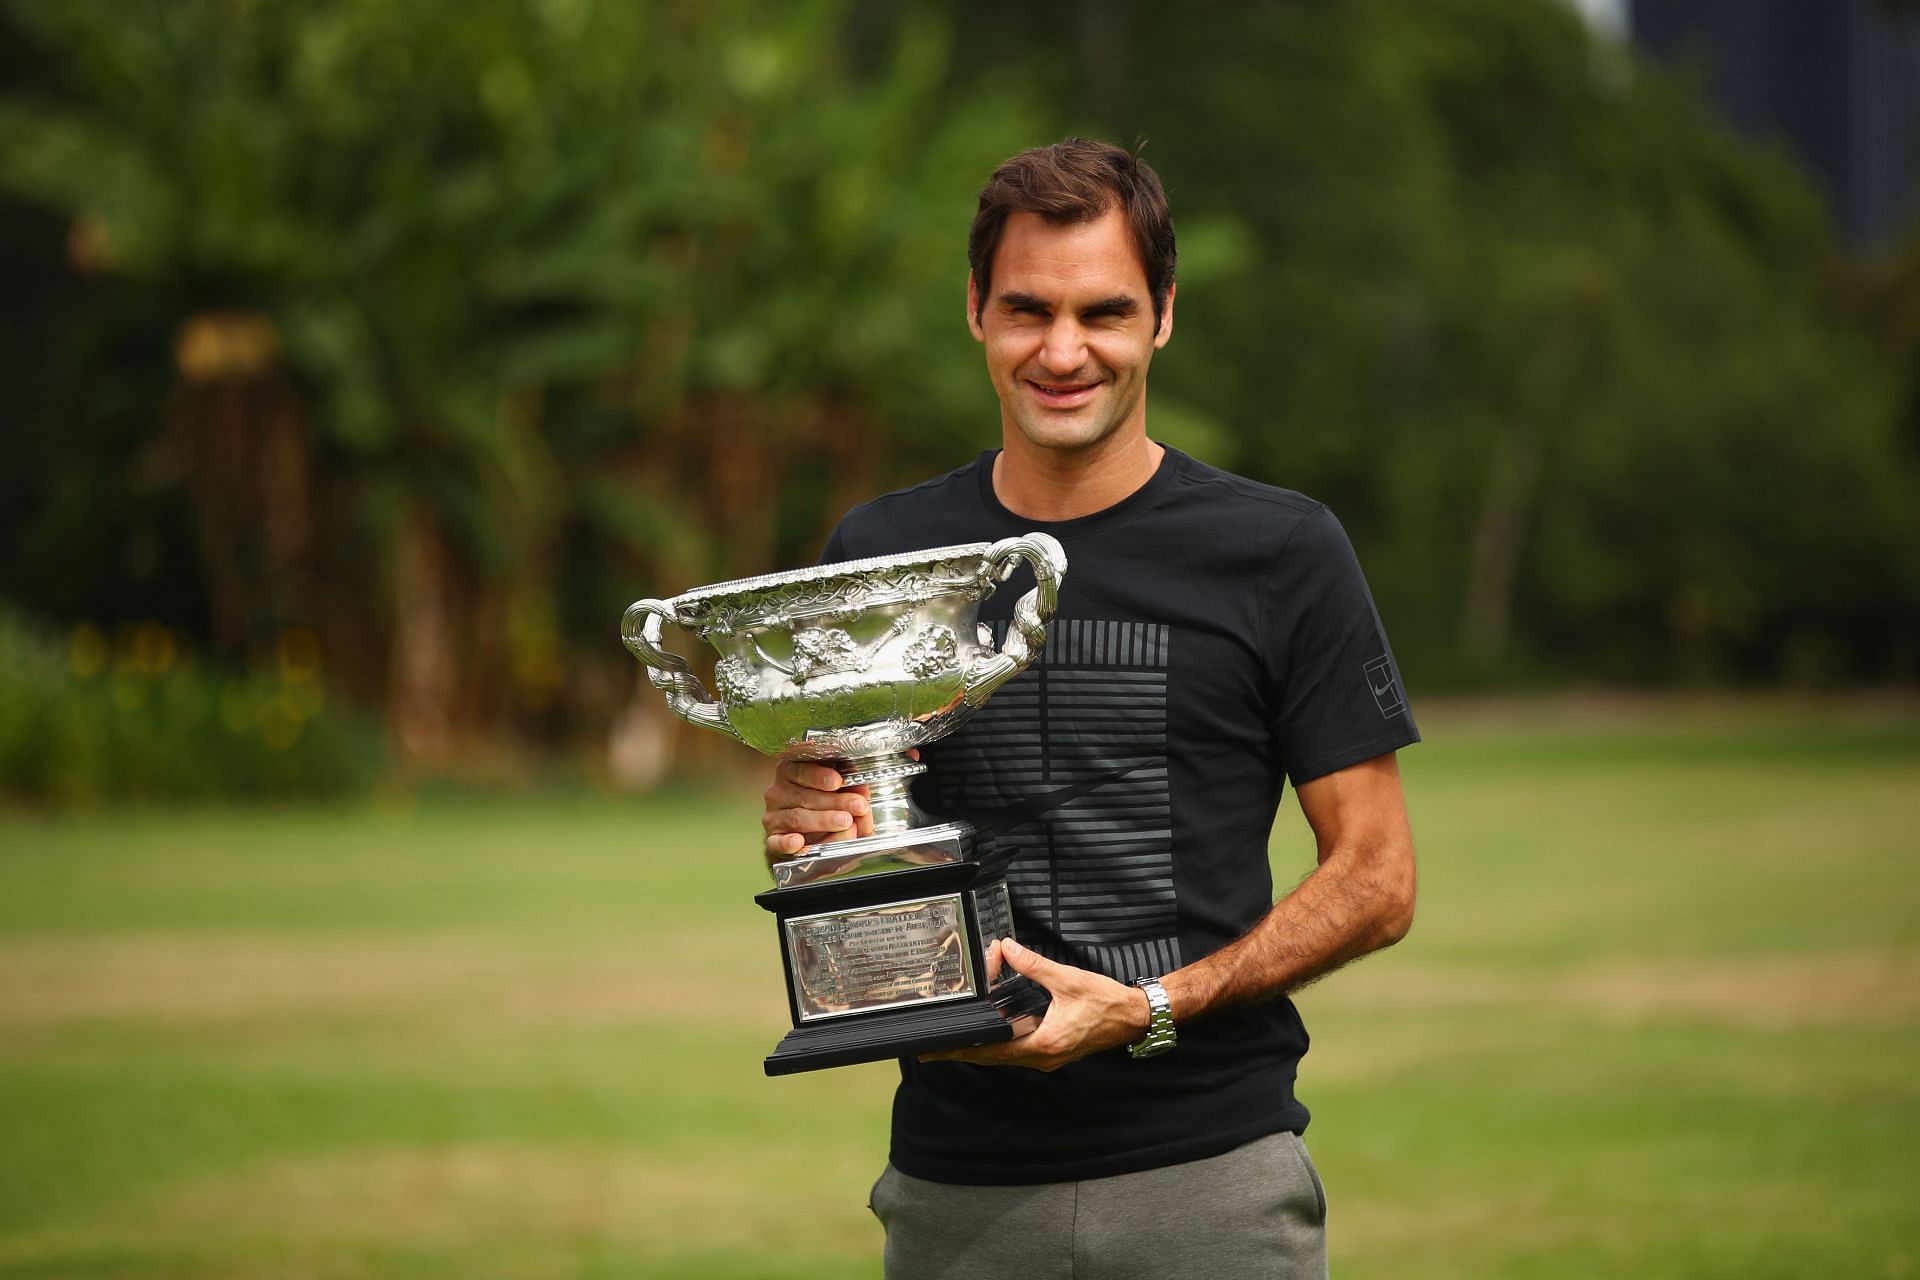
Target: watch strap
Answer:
[[1161, 1035]]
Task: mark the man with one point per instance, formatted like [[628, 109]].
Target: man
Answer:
[[1214, 638]]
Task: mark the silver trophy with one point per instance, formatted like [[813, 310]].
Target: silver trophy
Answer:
[[887, 939]]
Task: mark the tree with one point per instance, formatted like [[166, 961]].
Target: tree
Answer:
[[491, 316], [1553, 343]]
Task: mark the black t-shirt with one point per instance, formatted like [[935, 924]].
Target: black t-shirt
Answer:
[[1214, 638]]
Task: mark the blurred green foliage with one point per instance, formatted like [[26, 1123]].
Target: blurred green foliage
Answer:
[[445, 330], [1551, 340], [488, 317], [87, 717]]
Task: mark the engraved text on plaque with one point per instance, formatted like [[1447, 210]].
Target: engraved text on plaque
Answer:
[[905, 953]]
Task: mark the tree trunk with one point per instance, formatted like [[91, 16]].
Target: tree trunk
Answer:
[[425, 666], [1498, 540]]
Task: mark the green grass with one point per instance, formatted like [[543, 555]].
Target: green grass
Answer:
[[1659, 1016]]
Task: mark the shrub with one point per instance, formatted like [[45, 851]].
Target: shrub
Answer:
[[87, 717]]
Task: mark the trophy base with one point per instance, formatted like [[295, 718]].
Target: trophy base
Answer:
[[1011, 1011], [891, 953]]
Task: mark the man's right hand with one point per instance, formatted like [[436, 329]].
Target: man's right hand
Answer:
[[806, 806]]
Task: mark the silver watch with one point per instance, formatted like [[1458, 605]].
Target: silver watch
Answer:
[[1160, 1035]]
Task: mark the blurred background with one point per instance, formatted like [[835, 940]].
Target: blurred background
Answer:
[[362, 912]]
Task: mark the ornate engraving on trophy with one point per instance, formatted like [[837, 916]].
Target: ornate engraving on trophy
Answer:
[[858, 661], [905, 953]]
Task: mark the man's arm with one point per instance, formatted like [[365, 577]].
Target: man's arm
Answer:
[[1358, 899]]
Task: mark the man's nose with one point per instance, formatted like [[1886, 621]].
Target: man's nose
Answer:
[[1065, 349]]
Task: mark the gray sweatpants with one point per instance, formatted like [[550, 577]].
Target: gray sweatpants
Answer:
[[1258, 1210]]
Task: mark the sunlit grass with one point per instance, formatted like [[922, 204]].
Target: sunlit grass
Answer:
[[1659, 1017]]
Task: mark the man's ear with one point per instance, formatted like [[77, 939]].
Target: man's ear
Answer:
[[973, 310], [1166, 319]]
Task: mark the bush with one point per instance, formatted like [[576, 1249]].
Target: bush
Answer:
[[88, 717]]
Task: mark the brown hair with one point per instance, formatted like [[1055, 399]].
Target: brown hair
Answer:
[[1077, 180]]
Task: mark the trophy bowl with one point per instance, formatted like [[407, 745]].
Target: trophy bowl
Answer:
[[856, 662], [887, 939]]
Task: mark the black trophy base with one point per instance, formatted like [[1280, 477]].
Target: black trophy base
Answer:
[[895, 1033]]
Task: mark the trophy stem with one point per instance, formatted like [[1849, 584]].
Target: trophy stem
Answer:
[[885, 776]]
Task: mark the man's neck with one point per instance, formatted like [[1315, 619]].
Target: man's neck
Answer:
[[1054, 485]]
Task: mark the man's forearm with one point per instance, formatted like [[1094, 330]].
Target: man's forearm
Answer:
[[1359, 899]]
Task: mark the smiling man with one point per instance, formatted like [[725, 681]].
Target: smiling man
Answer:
[[1215, 639]]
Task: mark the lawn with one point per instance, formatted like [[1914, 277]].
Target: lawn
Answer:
[[1659, 1016]]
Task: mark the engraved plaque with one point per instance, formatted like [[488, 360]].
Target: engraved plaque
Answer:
[[901, 954]]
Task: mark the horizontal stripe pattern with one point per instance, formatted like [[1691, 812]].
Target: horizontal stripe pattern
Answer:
[[1092, 642], [1125, 962], [1092, 875]]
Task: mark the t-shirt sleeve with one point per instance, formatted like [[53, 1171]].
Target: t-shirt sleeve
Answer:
[[1339, 699], [836, 548]]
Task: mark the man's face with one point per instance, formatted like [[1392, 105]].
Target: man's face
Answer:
[[1069, 332]]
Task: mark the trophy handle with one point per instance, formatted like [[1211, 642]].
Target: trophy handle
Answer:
[[1028, 633], [686, 696]]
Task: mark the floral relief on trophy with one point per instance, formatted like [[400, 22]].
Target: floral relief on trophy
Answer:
[[821, 650], [935, 651], [818, 650], [736, 681]]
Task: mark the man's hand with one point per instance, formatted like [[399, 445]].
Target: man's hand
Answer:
[[805, 806], [1090, 1012]]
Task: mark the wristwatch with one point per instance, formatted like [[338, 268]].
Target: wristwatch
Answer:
[[1160, 1035]]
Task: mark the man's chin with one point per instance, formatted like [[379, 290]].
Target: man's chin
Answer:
[[1065, 433]]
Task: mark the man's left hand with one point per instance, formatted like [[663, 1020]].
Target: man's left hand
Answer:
[[1090, 1012]]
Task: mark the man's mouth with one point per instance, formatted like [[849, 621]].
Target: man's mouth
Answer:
[[1065, 395]]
